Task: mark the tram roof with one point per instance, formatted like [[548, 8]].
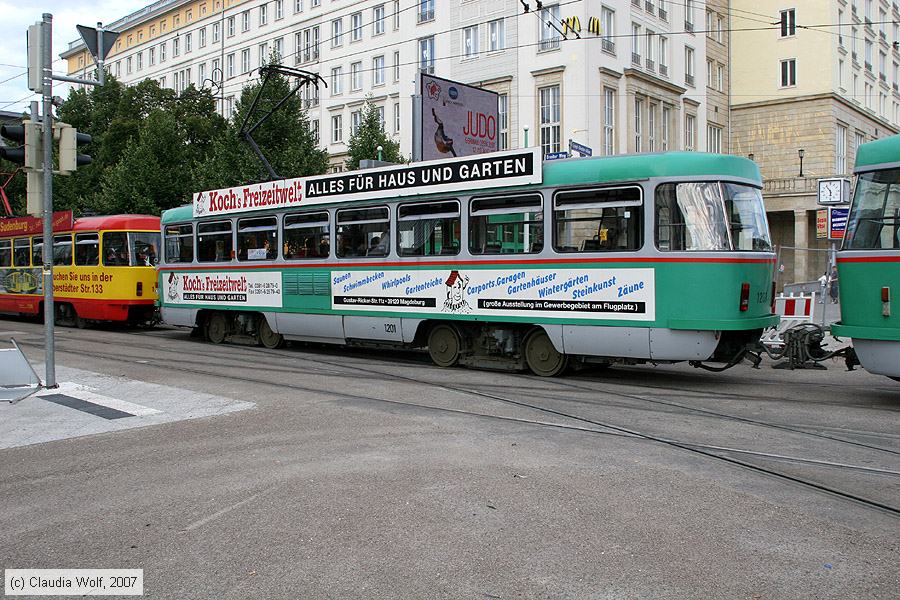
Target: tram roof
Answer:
[[609, 169], [129, 222], [885, 151]]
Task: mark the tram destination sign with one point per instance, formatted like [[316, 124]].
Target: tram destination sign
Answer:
[[497, 169]]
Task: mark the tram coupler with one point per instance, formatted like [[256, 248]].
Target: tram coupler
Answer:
[[851, 359], [803, 348]]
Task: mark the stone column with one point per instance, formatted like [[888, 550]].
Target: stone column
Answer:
[[801, 245]]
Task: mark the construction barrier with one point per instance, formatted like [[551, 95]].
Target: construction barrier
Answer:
[[792, 311]]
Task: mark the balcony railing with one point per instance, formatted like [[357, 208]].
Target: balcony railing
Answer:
[[790, 185], [608, 45], [663, 14], [648, 6], [651, 64], [636, 58], [689, 80], [664, 70]]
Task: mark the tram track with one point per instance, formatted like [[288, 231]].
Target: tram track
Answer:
[[587, 425]]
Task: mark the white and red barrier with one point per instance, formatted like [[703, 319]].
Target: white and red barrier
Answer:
[[792, 310]]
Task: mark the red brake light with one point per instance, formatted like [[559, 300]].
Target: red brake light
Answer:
[[885, 294], [745, 297]]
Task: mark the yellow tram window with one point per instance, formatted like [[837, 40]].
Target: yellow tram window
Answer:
[[87, 249], [62, 250], [5, 253], [22, 252], [37, 251], [115, 249]]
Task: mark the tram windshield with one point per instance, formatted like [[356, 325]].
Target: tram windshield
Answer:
[[711, 216], [874, 222], [143, 248]]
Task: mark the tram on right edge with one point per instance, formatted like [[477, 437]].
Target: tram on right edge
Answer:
[[869, 260]]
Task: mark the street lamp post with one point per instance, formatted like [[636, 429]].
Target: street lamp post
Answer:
[[526, 136], [800, 153]]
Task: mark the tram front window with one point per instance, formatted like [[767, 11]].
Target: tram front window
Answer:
[[143, 248], [710, 216], [874, 222]]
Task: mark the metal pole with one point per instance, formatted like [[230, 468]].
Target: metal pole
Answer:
[[101, 70], [47, 273]]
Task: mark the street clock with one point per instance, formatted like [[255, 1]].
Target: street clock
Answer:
[[834, 191]]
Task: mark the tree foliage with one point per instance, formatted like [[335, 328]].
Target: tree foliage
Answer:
[[370, 134]]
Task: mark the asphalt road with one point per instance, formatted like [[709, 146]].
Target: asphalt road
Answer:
[[372, 474]]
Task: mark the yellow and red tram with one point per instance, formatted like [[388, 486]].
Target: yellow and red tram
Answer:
[[104, 268]]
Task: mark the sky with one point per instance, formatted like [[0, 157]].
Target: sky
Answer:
[[14, 93]]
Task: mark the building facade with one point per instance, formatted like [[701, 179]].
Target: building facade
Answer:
[[821, 82], [617, 76]]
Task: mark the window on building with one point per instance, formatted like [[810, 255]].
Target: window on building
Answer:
[[720, 78], [608, 30], [638, 130], [298, 6], [245, 60], [215, 242], [378, 20], [869, 54], [713, 139], [549, 32], [355, 120], [128, 65], [278, 49], [245, 21], [216, 32], [689, 15], [426, 11], [176, 47], [690, 132], [151, 57], [306, 235], [355, 79], [497, 34], [651, 127], [651, 56], [337, 129], [378, 70], [788, 22], [664, 128], [336, 81], [431, 229], [187, 42], [396, 117], [788, 72], [229, 24], [140, 60], [635, 44], [663, 56], [506, 225], [503, 118], [279, 9], [363, 232], [426, 55], [257, 239], [201, 74], [263, 54], [396, 14], [201, 37], [550, 119], [396, 66], [609, 121], [356, 27], [604, 220], [337, 32], [840, 150], [470, 41], [689, 66], [314, 127]]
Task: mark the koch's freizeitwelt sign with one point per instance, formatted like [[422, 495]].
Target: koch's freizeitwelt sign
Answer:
[[497, 169]]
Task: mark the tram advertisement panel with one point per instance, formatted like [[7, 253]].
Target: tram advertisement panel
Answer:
[[21, 281], [223, 289], [618, 294]]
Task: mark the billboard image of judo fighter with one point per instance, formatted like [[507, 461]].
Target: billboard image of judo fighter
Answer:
[[457, 119]]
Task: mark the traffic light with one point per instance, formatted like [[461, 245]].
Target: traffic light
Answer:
[[30, 152], [69, 140]]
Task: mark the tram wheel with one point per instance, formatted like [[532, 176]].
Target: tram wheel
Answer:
[[444, 345], [267, 337], [541, 357], [216, 328]]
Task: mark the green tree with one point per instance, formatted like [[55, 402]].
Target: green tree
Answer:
[[285, 139], [364, 142]]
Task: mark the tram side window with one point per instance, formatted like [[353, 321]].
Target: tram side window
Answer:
[[690, 216], [62, 250], [22, 252], [87, 249], [746, 217], [874, 221], [143, 245], [115, 249], [180, 243], [214, 242], [597, 220], [507, 225], [429, 229], [37, 251], [258, 239], [306, 235], [363, 232], [5, 253]]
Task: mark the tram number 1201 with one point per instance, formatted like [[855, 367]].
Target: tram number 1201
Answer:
[[762, 297], [390, 328]]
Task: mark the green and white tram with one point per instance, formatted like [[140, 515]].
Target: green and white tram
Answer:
[[869, 260], [495, 260]]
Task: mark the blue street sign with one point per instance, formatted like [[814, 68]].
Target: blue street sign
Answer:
[[838, 222], [580, 149], [556, 155]]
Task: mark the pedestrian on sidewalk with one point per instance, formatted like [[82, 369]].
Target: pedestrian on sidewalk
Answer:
[[833, 289], [823, 283]]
